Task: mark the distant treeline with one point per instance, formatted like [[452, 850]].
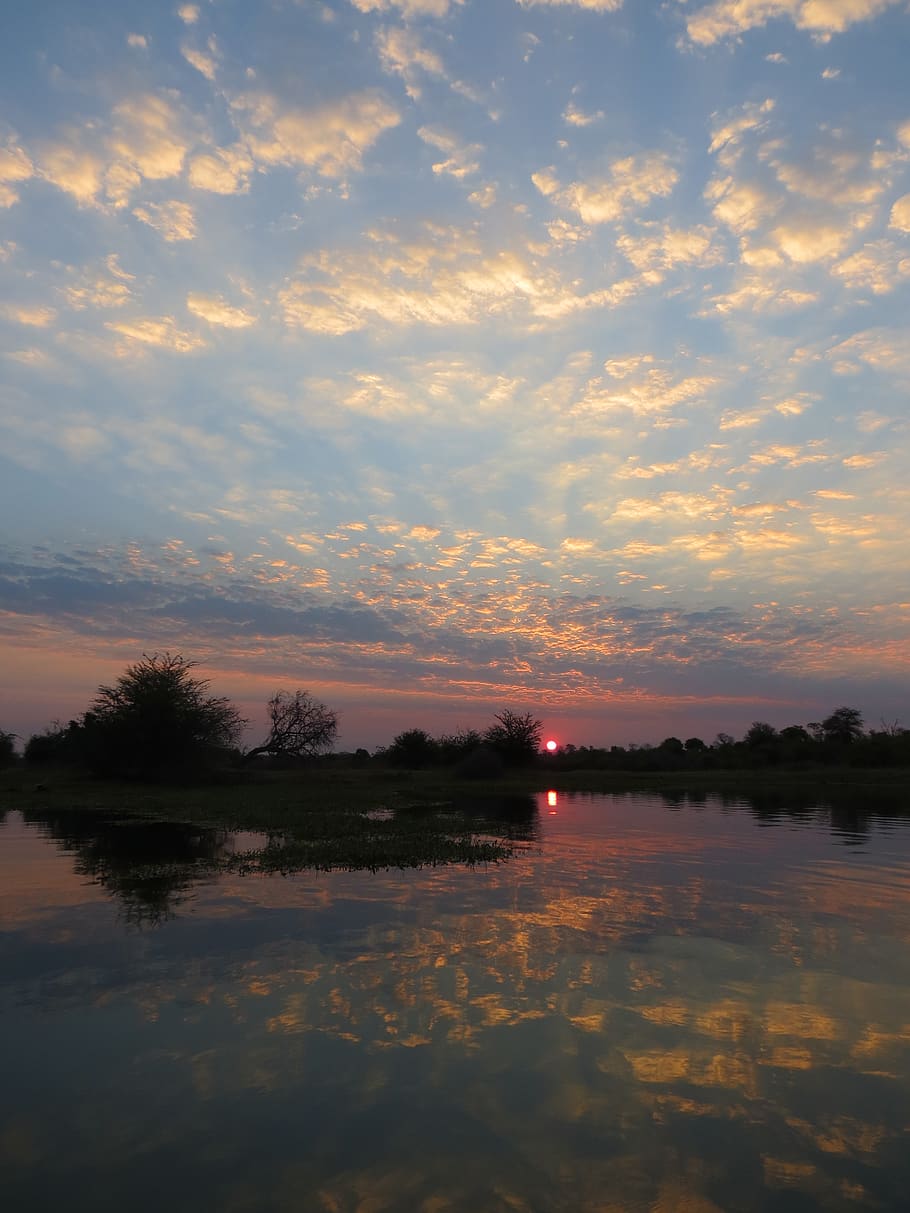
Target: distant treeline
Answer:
[[158, 720], [840, 738]]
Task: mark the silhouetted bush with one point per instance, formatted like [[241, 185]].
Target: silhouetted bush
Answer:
[[157, 720], [482, 763], [8, 755]]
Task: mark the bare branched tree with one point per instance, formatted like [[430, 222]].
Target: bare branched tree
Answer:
[[301, 726]]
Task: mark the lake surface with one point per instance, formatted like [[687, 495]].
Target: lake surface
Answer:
[[654, 1006]]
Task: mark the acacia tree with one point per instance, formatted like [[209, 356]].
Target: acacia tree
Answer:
[[515, 736], [843, 726], [300, 726], [157, 716]]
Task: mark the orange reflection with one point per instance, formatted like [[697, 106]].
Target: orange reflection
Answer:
[[552, 800]]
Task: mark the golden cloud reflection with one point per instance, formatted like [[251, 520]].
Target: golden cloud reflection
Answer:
[[624, 1018]]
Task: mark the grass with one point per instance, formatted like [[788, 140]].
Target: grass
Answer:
[[311, 819]]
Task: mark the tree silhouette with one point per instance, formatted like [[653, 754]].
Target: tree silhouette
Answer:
[[7, 749], [301, 726], [843, 726], [515, 736], [157, 717]]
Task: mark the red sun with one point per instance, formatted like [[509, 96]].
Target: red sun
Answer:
[[552, 746]]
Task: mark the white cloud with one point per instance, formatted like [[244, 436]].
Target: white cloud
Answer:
[[213, 309], [99, 288], [331, 138], [731, 18], [72, 168], [660, 247], [593, 6], [461, 158], [174, 220], [225, 170], [34, 315], [445, 278], [402, 53], [138, 41], [160, 331], [900, 214], [631, 183], [726, 136], [484, 197], [205, 62], [877, 267], [147, 136], [883, 349], [808, 239], [573, 116], [762, 293], [15, 167], [407, 8], [188, 13]]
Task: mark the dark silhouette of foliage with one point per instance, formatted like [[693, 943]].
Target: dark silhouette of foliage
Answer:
[[760, 733], [157, 719], [7, 749], [58, 745], [515, 737], [455, 747], [843, 726], [483, 762], [414, 748], [301, 727]]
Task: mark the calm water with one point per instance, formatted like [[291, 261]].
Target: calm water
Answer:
[[673, 1008]]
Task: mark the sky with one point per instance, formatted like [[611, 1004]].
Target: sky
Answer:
[[443, 356]]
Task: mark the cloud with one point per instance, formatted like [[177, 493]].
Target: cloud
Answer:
[[331, 139], [160, 331], [188, 13], [641, 388], [631, 183], [205, 62], [593, 6], [174, 220], [145, 138], [484, 197], [900, 214], [96, 287], [34, 315], [137, 41], [443, 277], [763, 293], [461, 158], [741, 205], [407, 8], [727, 135], [225, 170], [886, 350], [658, 247], [213, 309], [573, 116], [74, 169], [732, 18], [402, 53], [879, 267]]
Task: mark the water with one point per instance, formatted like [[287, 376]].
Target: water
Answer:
[[674, 1008]]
